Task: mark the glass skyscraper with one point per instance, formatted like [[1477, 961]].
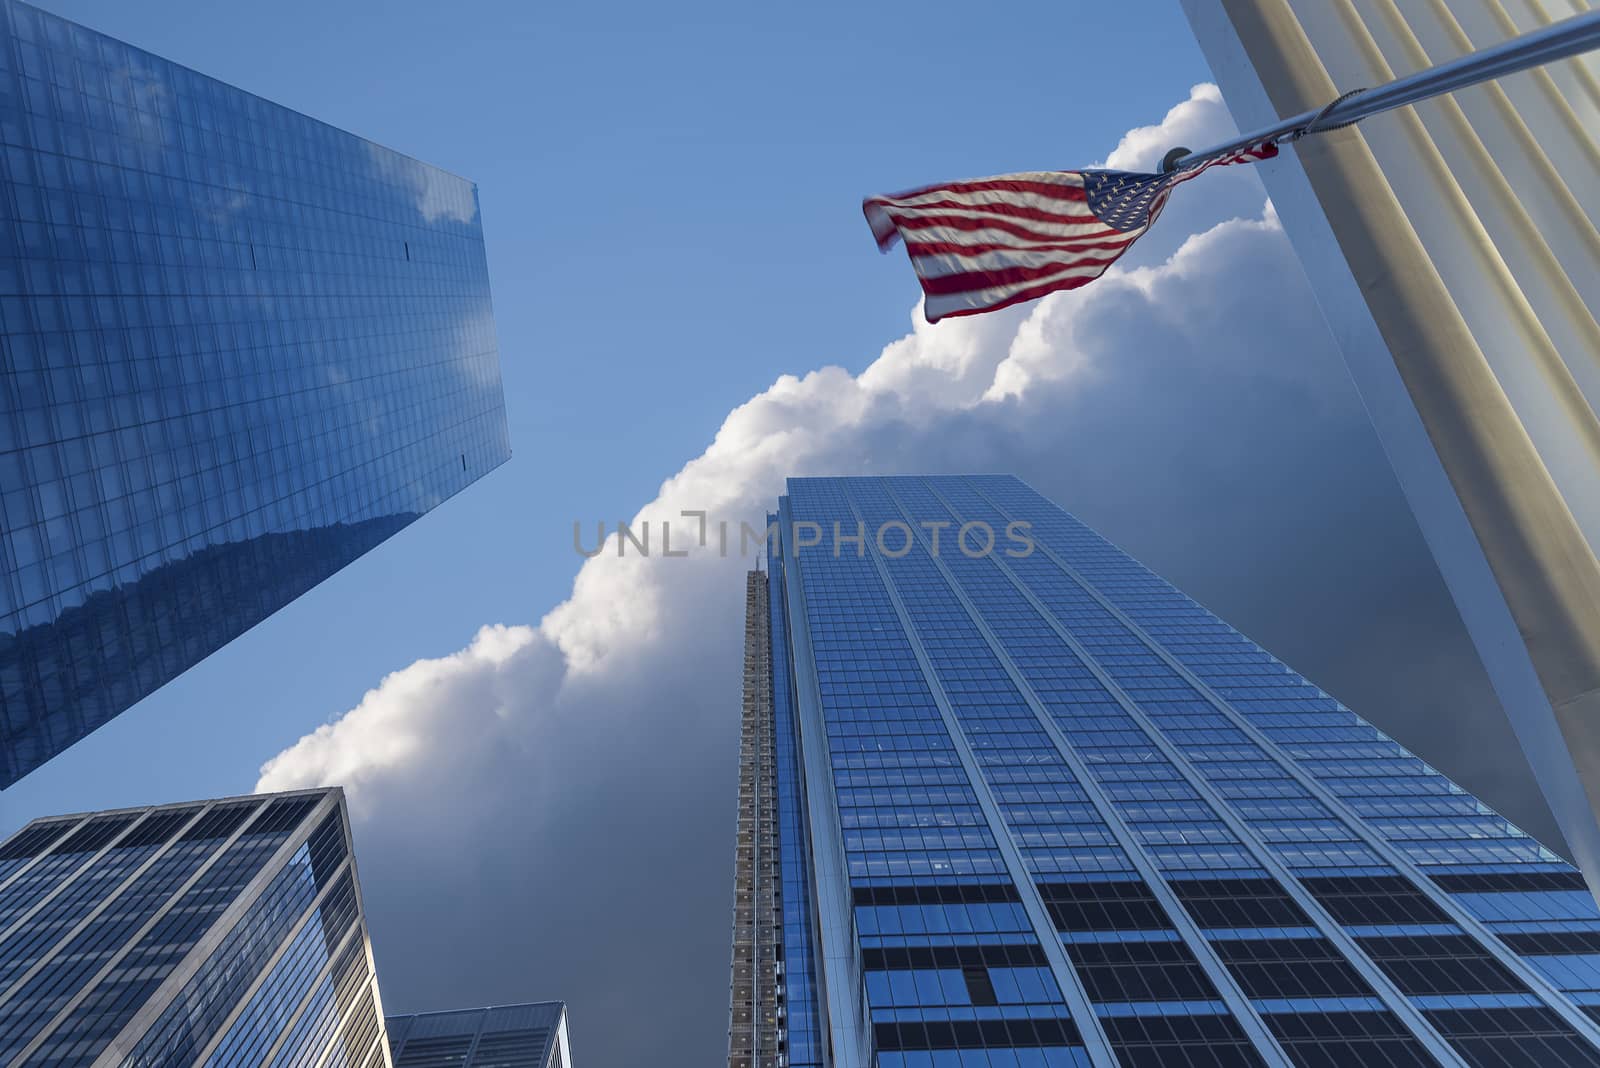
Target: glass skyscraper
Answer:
[[1027, 804], [222, 933], [238, 349], [501, 1036]]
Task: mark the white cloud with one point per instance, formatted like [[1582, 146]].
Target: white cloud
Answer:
[[383, 735], [1194, 123], [570, 785], [624, 608]]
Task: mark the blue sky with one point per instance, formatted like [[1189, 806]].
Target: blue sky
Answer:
[[670, 200]]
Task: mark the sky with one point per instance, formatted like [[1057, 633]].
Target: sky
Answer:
[[540, 751]]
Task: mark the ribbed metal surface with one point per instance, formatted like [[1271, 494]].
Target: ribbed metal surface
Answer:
[[1502, 183], [1498, 195]]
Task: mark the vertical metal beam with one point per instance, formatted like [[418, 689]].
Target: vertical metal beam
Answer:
[[348, 826], [297, 1013], [74, 821], [68, 879], [272, 962], [62, 940], [561, 1044], [126, 1039]]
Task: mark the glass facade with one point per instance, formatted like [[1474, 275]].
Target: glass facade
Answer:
[[504, 1036], [238, 349], [222, 933], [1037, 808]]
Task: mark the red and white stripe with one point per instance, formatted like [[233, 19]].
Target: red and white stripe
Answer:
[[989, 243]]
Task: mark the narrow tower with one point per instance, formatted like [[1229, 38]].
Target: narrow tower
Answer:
[[755, 1026]]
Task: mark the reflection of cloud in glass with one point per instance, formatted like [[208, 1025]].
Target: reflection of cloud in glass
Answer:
[[476, 353], [436, 194], [288, 332], [106, 650], [149, 115], [223, 206]]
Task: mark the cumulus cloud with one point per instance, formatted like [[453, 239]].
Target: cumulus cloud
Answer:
[[548, 812]]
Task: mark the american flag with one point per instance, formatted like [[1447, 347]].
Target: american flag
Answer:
[[993, 242]]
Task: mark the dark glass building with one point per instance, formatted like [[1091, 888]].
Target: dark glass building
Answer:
[[238, 349], [219, 933], [1027, 804], [502, 1036]]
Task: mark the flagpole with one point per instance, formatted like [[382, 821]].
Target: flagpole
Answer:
[[1539, 630], [1559, 40]]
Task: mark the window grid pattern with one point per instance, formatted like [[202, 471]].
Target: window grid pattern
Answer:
[[1375, 775], [31, 886], [504, 1036], [918, 848], [24, 847], [1213, 874], [1257, 929], [252, 1033], [211, 992], [317, 1028], [73, 901], [355, 1038], [1125, 979], [123, 919], [238, 349], [50, 975], [801, 1038], [80, 959], [934, 915], [113, 1000]]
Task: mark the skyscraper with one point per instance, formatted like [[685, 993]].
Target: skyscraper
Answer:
[[1031, 805], [238, 349], [502, 1036], [218, 933]]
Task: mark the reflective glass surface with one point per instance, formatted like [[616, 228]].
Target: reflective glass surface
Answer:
[[238, 349], [227, 933], [1083, 821], [803, 1042], [504, 1036]]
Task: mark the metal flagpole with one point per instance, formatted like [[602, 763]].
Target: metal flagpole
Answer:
[[1569, 37], [1528, 573]]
